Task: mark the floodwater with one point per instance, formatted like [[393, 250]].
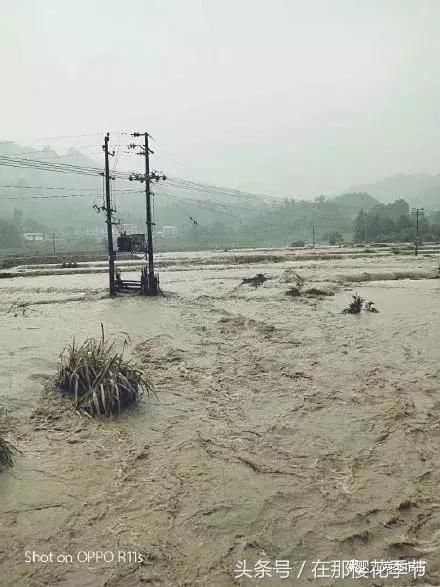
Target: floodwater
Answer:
[[282, 428]]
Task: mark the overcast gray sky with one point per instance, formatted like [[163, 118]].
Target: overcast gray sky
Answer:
[[288, 97]]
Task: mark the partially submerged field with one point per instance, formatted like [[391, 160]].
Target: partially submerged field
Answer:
[[282, 429]]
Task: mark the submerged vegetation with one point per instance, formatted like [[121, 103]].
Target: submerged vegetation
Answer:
[[291, 276], [6, 454], [99, 380], [355, 306], [254, 281], [19, 308], [369, 307]]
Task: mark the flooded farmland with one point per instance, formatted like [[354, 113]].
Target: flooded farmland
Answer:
[[282, 429]]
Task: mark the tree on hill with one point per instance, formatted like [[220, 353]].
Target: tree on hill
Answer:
[[334, 237], [9, 236], [360, 227], [356, 201], [391, 211], [393, 223], [31, 225]]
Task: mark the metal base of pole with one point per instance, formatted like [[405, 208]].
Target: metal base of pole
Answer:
[[149, 283]]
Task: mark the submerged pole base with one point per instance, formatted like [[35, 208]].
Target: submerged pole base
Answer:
[[149, 284]]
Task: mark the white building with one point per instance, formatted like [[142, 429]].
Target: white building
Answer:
[[128, 228], [35, 236], [168, 231]]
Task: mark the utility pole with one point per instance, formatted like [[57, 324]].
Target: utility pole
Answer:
[[53, 243], [417, 212], [108, 208], [152, 280], [152, 288], [313, 235]]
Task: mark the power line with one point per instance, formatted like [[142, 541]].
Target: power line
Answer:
[[41, 162], [279, 228], [227, 211], [41, 166], [41, 187], [88, 170], [48, 197], [93, 134], [219, 191], [55, 167], [77, 152]]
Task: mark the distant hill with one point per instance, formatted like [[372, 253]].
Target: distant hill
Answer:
[[355, 202], [418, 189], [55, 209], [430, 198]]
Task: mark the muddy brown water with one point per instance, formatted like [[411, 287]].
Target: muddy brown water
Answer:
[[282, 428]]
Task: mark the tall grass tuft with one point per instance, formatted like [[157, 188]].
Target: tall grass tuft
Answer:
[[100, 380], [355, 306], [6, 454]]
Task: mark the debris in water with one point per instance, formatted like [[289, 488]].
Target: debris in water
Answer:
[[254, 281], [98, 379], [19, 307], [290, 275], [355, 306], [315, 291], [369, 307]]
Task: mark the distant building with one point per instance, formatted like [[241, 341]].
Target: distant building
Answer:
[[35, 236], [128, 228], [168, 232]]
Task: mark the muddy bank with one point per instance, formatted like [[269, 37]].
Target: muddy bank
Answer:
[[282, 430]]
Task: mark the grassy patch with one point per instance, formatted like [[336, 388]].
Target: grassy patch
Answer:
[[254, 281], [6, 454], [355, 306], [99, 380]]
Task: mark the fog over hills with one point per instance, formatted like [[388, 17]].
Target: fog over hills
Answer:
[[60, 202], [419, 189]]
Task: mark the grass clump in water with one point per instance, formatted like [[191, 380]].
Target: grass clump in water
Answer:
[[255, 281], [355, 306], [100, 380], [6, 454]]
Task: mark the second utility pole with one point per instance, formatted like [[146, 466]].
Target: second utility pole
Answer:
[[417, 212], [108, 209], [152, 281]]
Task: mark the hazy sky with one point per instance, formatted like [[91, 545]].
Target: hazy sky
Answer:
[[287, 97]]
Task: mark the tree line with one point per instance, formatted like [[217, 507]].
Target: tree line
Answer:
[[394, 223]]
